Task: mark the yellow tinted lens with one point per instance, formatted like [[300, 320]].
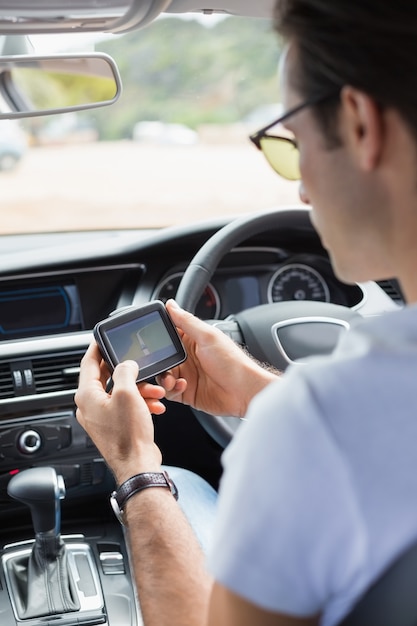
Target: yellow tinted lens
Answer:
[[282, 155]]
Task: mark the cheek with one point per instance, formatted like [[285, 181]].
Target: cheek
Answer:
[[310, 178], [318, 190], [313, 163], [303, 194], [308, 163], [321, 184]]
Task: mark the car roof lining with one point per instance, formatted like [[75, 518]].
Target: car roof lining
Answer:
[[25, 17], [260, 8]]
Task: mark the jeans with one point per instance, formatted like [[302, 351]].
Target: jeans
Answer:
[[198, 501]]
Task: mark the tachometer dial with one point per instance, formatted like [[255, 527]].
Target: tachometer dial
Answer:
[[296, 281], [208, 307]]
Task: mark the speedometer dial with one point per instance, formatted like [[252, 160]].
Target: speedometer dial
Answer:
[[296, 281], [208, 307]]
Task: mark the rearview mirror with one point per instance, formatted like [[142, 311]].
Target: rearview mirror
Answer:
[[31, 86]]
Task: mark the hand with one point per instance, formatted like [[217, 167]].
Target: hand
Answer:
[[217, 376], [120, 422]]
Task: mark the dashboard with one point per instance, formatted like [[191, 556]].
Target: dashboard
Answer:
[[249, 277], [73, 300], [54, 288]]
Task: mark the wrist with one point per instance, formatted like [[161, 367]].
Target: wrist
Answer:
[[148, 459], [134, 485], [125, 473], [257, 378]]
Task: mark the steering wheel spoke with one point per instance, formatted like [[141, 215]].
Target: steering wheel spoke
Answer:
[[230, 328]]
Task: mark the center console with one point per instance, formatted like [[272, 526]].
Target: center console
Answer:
[[63, 580]]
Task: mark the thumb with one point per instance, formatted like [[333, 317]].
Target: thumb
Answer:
[[125, 375], [185, 321]]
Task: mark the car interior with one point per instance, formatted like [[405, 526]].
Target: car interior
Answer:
[[262, 277]]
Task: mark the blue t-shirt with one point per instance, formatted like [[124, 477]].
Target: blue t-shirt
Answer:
[[319, 492]]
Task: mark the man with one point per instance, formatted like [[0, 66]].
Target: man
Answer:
[[318, 492]]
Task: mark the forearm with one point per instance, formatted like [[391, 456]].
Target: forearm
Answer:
[[172, 582]]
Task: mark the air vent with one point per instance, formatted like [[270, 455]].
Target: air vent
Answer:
[[392, 289], [56, 372], [6, 382], [44, 374]]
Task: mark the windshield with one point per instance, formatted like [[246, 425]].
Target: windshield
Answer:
[[173, 149]]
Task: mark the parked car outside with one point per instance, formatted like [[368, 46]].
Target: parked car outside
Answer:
[[164, 133], [13, 144]]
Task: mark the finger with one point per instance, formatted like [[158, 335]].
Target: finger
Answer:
[[105, 372], [90, 379], [167, 380], [90, 365], [125, 375], [149, 390], [125, 393], [155, 407], [173, 386], [177, 392], [187, 322]]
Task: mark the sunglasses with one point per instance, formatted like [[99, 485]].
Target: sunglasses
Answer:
[[282, 152]]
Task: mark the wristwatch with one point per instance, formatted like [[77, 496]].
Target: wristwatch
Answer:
[[137, 483]]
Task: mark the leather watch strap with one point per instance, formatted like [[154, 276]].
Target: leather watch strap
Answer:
[[137, 483]]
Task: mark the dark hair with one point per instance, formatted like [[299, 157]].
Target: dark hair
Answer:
[[368, 44]]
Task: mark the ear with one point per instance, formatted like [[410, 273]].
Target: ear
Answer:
[[362, 125]]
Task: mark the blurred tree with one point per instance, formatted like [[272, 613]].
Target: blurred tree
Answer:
[[180, 71]]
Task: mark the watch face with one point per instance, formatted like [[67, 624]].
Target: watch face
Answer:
[[172, 485], [116, 509]]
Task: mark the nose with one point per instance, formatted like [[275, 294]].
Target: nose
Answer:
[[302, 193]]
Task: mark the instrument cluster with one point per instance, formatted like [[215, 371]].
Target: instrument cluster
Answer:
[[293, 277]]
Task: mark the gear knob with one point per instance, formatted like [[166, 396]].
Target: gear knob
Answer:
[[41, 489]]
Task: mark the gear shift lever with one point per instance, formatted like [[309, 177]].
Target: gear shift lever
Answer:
[[41, 489], [42, 584]]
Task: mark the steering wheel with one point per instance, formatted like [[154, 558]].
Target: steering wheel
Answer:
[[277, 333]]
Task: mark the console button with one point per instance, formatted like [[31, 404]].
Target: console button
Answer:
[[29, 442]]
